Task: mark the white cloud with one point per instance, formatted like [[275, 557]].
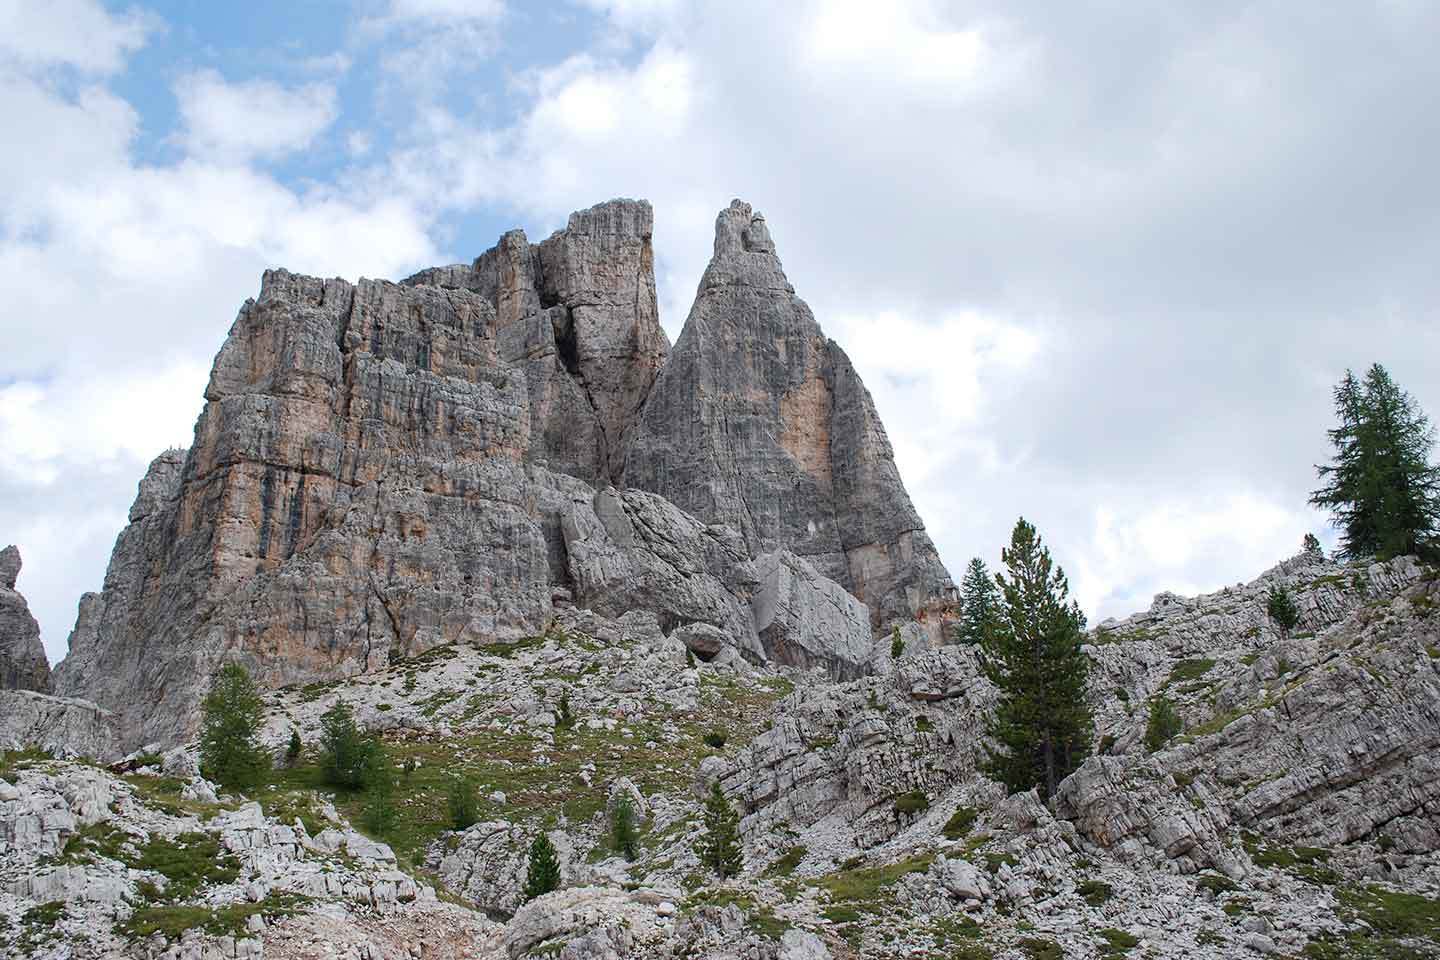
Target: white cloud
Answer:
[[254, 119], [74, 33]]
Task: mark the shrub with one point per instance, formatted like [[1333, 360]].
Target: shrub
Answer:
[[689, 659], [1164, 723], [348, 758], [961, 822], [1094, 892], [461, 797], [1281, 608], [294, 748], [230, 751], [913, 802], [715, 739], [1311, 544], [897, 644], [622, 828], [543, 872], [564, 719], [720, 846]]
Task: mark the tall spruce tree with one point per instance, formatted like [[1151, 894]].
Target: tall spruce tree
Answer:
[[1380, 487], [979, 603], [542, 873], [230, 751], [1042, 723], [720, 846]]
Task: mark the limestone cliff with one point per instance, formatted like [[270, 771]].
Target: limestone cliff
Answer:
[[382, 468], [761, 422], [22, 658]]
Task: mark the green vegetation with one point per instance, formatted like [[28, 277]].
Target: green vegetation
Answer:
[[294, 748], [720, 846], [1094, 892], [173, 921], [231, 714], [715, 739], [1033, 655], [912, 802], [860, 890], [1382, 491], [1118, 942], [786, 864], [348, 758], [1037, 949], [463, 801], [1216, 884], [381, 813], [564, 719], [1281, 608], [1192, 669], [623, 836], [1163, 724], [979, 604], [897, 644], [542, 874], [961, 822], [1402, 926], [187, 862]]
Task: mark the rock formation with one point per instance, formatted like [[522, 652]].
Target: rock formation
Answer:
[[22, 657], [761, 422], [381, 468]]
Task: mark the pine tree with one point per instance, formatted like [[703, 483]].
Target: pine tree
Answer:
[[622, 828], [1281, 608], [543, 873], [1382, 491], [1042, 723], [1163, 723], [720, 847], [1311, 544], [347, 757], [230, 751], [897, 644], [462, 798], [294, 748], [380, 811], [979, 603]]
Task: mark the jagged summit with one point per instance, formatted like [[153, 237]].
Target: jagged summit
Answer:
[[759, 421], [381, 468], [22, 658]]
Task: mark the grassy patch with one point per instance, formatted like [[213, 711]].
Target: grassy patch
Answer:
[[1094, 892], [787, 863], [1216, 883], [862, 890], [188, 862], [961, 822], [1037, 949], [172, 921], [1118, 942], [1402, 926], [760, 919], [1189, 670], [913, 802]]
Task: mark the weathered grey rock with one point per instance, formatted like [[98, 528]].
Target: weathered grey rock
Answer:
[[23, 665], [486, 863], [805, 620], [60, 726], [759, 422]]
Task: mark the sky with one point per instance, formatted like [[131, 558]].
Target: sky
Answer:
[[1100, 264]]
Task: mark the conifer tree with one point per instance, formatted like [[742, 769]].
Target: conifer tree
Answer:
[[1281, 608], [543, 872], [294, 747], [230, 751], [1380, 487], [897, 644], [979, 603], [348, 758], [1042, 723], [720, 847], [622, 828]]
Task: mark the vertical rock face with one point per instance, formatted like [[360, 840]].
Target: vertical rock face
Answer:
[[381, 468], [22, 657], [761, 422], [584, 297]]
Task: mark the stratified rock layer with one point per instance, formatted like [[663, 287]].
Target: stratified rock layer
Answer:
[[761, 422], [22, 657], [382, 468]]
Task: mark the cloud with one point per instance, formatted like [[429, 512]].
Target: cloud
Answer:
[[256, 119], [73, 33], [427, 44]]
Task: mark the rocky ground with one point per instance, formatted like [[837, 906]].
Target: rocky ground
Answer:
[[1298, 815]]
